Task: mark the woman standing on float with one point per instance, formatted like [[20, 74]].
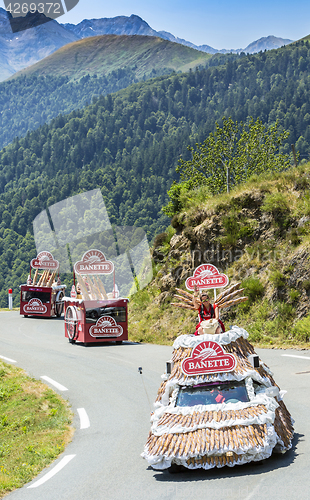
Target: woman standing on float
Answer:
[[205, 310]]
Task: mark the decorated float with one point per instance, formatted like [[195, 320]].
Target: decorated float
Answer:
[[91, 314], [43, 294], [218, 404]]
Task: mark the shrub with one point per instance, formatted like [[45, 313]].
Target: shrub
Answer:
[[254, 289], [276, 204], [277, 278], [285, 311], [301, 330], [160, 240], [294, 294], [306, 284], [294, 237]]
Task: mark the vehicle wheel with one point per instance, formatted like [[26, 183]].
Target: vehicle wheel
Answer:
[[71, 323], [25, 315], [59, 305], [118, 342]]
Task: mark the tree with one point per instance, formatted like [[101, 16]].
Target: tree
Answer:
[[233, 153]]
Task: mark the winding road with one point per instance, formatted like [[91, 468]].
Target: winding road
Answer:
[[112, 401]]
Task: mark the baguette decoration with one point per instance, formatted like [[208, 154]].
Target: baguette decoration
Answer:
[[230, 297]]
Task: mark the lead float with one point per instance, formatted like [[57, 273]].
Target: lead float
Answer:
[[218, 404], [42, 296], [91, 314]]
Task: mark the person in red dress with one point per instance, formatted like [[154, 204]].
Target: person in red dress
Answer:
[[205, 310]]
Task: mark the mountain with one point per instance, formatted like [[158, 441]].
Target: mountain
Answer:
[[266, 43], [134, 25], [79, 72], [101, 55], [19, 50], [120, 25]]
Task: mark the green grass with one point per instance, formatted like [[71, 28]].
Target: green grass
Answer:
[[35, 427], [157, 323]]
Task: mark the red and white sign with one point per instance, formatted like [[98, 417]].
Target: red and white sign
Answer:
[[206, 276], [94, 262], [45, 260], [208, 357], [35, 306], [106, 326]]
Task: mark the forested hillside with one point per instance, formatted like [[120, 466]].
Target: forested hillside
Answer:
[[127, 144], [28, 102], [70, 78]]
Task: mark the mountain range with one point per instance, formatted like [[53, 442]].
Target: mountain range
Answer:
[[134, 25], [101, 55], [20, 50]]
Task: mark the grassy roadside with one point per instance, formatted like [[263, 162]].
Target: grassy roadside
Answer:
[[35, 427]]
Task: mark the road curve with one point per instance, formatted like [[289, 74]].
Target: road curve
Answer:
[[111, 401]]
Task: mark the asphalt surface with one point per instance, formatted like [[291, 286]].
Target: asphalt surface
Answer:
[[103, 460]]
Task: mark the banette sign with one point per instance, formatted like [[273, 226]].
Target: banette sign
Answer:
[[206, 276], [94, 262], [106, 326], [45, 260], [208, 357], [35, 306]]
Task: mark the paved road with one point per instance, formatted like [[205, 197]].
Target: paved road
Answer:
[[103, 460]]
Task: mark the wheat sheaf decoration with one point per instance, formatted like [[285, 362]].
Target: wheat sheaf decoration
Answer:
[[229, 297]]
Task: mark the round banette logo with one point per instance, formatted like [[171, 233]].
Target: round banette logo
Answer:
[[45, 260], [94, 262], [106, 326], [35, 306], [29, 14], [208, 357], [206, 276]]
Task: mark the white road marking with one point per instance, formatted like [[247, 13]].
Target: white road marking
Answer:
[[63, 462], [293, 356], [8, 359], [54, 383], [84, 420]]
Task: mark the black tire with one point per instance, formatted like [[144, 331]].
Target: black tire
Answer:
[[59, 305], [25, 315], [119, 342]]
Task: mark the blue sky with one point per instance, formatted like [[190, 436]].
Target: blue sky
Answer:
[[220, 23]]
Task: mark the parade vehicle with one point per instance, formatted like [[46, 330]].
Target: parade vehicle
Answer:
[[42, 296], [218, 404], [91, 314]]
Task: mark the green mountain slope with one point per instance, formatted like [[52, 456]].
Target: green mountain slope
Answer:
[[102, 54], [32, 98]]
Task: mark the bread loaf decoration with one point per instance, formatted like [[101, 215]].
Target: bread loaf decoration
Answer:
[[223, 431], [229, 297]]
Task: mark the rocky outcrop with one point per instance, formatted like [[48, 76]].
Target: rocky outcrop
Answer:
[[243, 239]]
